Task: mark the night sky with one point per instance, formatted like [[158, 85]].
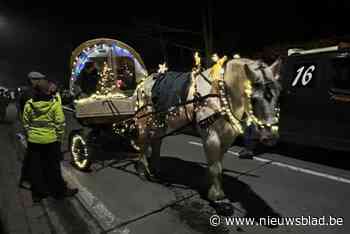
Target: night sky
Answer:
[[41, 36]]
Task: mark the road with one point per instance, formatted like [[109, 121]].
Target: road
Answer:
[[272, 185]]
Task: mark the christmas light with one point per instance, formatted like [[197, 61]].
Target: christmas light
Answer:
[[79, 149]]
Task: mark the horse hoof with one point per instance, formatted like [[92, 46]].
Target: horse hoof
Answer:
[[223, 207], [142, 176], [152, 177], [141, 170]]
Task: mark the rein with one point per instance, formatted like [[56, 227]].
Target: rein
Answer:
[[194, 100]]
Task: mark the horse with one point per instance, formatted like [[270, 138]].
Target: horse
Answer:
[[220, 103]]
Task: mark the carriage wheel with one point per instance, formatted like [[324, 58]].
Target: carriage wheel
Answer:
[[80, 152]]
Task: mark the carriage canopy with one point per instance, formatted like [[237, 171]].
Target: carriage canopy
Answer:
[[125, 63]]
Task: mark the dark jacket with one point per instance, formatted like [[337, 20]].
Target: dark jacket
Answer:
[[88, 82]]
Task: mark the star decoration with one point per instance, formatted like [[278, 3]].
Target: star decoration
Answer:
[[162, 68]]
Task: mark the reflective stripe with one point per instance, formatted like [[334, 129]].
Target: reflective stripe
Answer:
[[40, 124], [32, 129], [60, 126], [46, 124]]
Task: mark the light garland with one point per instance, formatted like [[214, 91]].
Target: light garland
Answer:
[[217, 72], [104, 88], [106, 82], [81, 163], [99, 97], [225, 108]]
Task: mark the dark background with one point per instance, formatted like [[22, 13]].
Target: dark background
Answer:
[[41, 35]]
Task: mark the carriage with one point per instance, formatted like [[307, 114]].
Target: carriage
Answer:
[[118, 69], [125, 104]]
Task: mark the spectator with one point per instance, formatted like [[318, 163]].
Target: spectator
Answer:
[[87, 80], [43, 121], [4, 101]]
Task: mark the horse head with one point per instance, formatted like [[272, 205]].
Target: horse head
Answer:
[[263, 95]]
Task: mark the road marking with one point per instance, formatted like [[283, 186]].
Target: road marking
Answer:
[[105, 217], [291, 167], [66, 108], [195, 143], [92, 204]]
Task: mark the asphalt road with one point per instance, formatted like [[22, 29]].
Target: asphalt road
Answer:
[[272, 185]]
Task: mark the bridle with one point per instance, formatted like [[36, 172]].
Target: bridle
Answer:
[[250, 115], [225, 109]]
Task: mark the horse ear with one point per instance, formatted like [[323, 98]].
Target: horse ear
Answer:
[[276, 68], [249, 72]]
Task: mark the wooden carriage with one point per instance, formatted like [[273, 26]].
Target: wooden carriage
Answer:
[[109, 98], [117, 63]]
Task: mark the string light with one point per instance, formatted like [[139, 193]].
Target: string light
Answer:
[[218, 76], [106, 83]]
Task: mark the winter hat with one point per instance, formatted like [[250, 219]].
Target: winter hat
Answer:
[[34, 75]]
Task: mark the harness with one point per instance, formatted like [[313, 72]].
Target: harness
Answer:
[[218, 71]]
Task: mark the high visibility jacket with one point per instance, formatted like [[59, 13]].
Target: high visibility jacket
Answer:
[[44, 121]]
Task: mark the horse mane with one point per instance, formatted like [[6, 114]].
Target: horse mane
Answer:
[[237, 82]]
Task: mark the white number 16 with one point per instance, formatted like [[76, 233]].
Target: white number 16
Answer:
[[307, 75]]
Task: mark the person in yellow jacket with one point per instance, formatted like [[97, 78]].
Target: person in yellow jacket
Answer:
[[44, 123]]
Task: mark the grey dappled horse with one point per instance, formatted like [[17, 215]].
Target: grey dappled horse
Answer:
[[249, 91]]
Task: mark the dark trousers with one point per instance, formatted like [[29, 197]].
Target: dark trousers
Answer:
[[2, 113], [25, 170], [250, 139], [45, 170]]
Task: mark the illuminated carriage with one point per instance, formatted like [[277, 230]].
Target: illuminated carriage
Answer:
[[118, 69]]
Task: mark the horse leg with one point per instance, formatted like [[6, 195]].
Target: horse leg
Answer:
[[142, 166], [214, 157], [155, 157], [216, 195]]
